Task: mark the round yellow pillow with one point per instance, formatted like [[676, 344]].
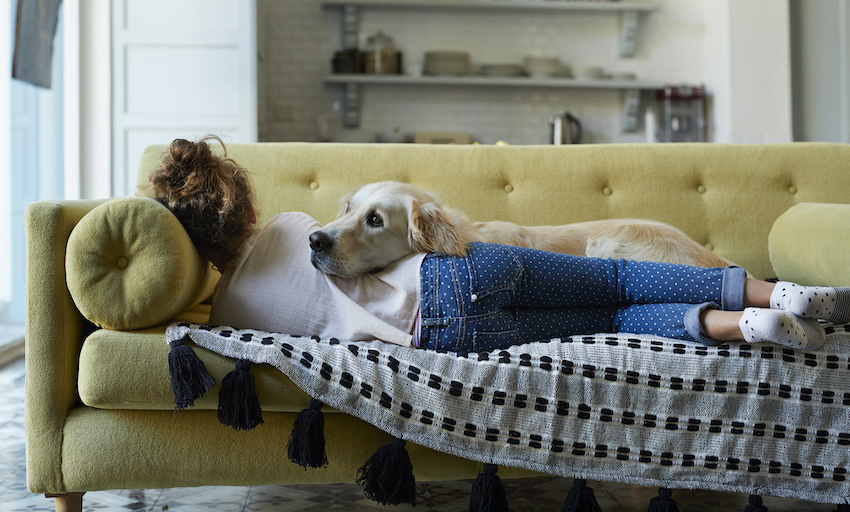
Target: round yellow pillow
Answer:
[[131, 265], [807, 244]]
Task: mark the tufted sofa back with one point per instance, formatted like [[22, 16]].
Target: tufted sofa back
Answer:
[[726, 197]]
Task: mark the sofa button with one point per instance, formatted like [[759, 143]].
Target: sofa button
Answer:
[[792, 190], [122, 262], [709, 246], [314, 185], [701, 189], [509, 188], [607, 191]]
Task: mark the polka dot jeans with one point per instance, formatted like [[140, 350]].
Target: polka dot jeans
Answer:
[[498, 296]]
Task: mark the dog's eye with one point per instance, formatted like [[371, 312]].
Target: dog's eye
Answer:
[[375, 220], [347, 207]]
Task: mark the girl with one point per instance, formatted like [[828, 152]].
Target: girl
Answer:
[[493, 297]]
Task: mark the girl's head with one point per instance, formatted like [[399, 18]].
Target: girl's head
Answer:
[[209, 194]]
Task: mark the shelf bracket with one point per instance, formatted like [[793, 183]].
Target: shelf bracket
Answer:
[[350, 26], [631, 111], [351, 105], [629, 21], [350, 91]]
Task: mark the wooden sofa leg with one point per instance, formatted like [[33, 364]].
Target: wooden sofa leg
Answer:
[[70, 502]]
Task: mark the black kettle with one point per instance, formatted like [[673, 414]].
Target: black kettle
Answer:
[[566, 129]]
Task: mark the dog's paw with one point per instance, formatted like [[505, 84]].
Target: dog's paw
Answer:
[[602, 247]]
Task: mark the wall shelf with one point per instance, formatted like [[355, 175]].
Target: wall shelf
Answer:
[[630, 13], [524, 5], [364, 79]]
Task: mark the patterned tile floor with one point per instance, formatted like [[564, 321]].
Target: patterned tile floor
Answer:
[[11, 342], [527, 495]]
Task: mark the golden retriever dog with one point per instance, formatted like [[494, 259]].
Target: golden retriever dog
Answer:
[[382, 222]]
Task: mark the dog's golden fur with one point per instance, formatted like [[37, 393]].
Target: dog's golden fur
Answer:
[[382, 222]]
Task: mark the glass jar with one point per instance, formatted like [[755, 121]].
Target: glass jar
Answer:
[[380, 55]]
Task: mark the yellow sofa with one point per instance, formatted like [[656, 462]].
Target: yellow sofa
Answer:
[[99, 406]]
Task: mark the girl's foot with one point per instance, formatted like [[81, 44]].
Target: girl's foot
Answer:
[[825, 303], [781, 327]]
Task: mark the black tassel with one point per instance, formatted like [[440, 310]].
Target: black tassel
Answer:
[[387, 477], [581, 498], [238, 405], [755, 505], [190, 379], [307, 440], [663, 502], [488, 493]]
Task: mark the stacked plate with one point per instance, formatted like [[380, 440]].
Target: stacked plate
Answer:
[[590, 73], [502, 70], [543, 67], [446, 63], [624, 76]]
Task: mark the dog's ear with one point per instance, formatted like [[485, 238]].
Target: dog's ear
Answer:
[[431, 230], [344, 203]]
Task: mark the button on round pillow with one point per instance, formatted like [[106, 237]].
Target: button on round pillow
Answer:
[[131, 265]]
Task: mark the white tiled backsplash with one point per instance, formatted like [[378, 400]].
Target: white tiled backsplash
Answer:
[[297, 39]]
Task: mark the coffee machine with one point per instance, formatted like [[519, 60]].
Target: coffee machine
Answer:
[[565, 129], [681, 114]]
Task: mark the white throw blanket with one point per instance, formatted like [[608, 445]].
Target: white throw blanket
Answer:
[[758, 419]]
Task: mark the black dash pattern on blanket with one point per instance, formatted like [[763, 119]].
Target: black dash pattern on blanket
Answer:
[[752, 418]]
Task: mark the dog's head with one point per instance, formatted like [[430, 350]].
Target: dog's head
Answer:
[[380, 223]]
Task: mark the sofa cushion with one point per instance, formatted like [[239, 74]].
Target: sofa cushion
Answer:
[[806, 244], [131, 265], [129, 370]]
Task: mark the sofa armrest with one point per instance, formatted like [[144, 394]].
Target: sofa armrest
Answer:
[[808, 244], [54, 333]]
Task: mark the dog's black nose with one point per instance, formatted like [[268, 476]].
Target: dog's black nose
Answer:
[[320, 241]]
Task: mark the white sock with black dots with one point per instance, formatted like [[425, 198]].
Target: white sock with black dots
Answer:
[[823, 302], [781, 327]]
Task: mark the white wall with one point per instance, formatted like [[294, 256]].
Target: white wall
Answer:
[[820, 57], [95, 93], [734, 48], [747, 48], [88, 93]]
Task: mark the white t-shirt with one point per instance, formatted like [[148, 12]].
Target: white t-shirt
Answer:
[[272, 286]]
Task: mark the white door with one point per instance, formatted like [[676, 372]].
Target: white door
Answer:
[[183, 69]]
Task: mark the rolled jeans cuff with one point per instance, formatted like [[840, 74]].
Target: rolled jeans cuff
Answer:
[[732, 291], [694, 326]]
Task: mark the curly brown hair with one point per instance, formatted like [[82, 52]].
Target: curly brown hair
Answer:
[[210, 195]]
